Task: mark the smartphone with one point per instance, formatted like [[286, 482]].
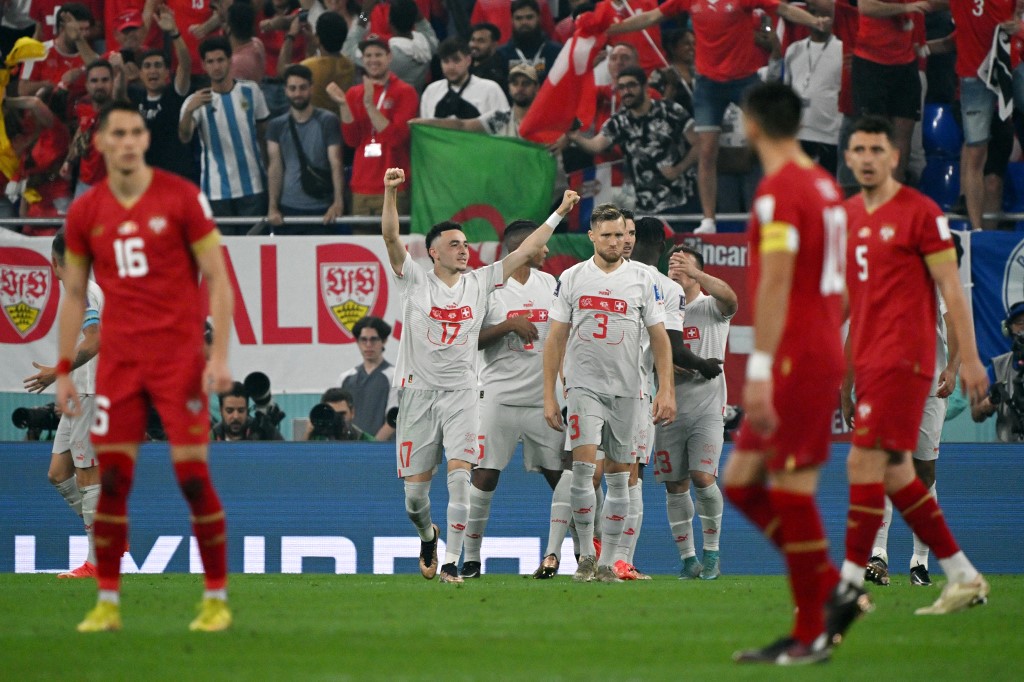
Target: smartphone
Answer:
[[304, 16]]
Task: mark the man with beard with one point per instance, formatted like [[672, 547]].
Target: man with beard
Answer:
[[234, 415], [483, 48], [303, 137], [529, 45], [99, 90], [522, 89], [658, 141]]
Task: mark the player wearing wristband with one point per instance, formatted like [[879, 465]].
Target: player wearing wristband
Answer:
[[797, 242], [443, 310], [141, 245]]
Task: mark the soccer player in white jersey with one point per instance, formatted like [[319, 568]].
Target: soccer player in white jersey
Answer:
[[947, 365], [690, 448], [603, 304], [512, 401], [74, 470], [442, 313]]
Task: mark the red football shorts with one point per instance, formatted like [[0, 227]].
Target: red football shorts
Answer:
[[806, 400], [890, 404], [126, 388]]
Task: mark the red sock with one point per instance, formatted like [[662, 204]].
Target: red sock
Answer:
[[207, 520], [755, 504], [806, 551], [110, 528], [864, 518], [923, 515]]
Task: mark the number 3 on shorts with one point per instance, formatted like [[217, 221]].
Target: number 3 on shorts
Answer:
[[574, 422]]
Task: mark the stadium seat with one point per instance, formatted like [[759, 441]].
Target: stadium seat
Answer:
[[941, 181], [940, 131], [1013, 188]]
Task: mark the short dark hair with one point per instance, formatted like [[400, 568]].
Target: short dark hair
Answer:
[[237, 390], [76, 9], [382, 328], [775, 107], [152, 52], [517, 227], [520, 4], [299, 71], [489, 27], [99, 64], [650, 231], [627, 214], [603, 213], [634, 72], [683, 248], [672, 37], [115, 105], [215, 43], [451, 47], [873, 125], [242, 20], [59, 245], [337, 395], [403, 15], [436, 231], [331, 30]]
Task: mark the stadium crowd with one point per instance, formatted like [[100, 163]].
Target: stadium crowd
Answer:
[[317, 96]]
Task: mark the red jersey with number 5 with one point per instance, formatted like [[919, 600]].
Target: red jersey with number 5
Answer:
[[799, 210], [892, 294], [143, 257]]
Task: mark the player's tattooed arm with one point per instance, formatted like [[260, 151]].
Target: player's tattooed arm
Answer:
[[947, 377]]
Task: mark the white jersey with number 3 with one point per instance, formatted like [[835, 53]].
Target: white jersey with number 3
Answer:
[[441, 326], [607, 313]]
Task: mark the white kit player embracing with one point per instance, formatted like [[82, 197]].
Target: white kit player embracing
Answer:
[[442, 313], [602, 306]]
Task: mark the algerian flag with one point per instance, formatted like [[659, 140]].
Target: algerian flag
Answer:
[[481, 181]]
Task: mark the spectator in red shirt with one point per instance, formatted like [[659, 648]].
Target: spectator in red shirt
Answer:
[[375, 118], [66, 55], [44, 13], [99, 89]]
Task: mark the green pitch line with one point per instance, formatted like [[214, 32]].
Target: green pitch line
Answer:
[[501, 627]]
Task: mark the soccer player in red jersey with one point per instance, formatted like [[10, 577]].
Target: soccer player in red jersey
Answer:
[[797, 244], [147, 235], [900, 250]]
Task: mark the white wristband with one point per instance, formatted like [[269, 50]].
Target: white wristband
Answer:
[[553, 220], [759, 366]]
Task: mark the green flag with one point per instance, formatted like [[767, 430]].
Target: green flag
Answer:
[[481, 181]]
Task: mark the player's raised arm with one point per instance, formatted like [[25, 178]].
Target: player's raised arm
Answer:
[[393, 178], [554, 353], [973, 378], [637, 22], [72, 310], [539, 237], [664, 406]]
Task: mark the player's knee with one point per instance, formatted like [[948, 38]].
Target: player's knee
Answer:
[[485, 479], [676, 487], [702, 479], [192, 488], [115, 483]]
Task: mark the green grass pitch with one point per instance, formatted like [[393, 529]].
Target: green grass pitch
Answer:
[[501, 627]]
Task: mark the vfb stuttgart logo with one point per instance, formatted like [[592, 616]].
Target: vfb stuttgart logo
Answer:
[[352, 285], [27, 295]]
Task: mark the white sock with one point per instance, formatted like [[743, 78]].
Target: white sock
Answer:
[[458, 514], [852, 573], [709, 507], [561, 514], [479, 513], [598, 510], [707, 226], [616, 509], [679, 507], [921, 550], [881, 547], [958, 568], [417, 506], [111, 596], [635, 521], [72, 495], [221, 594], [90, 499], [583, 500]]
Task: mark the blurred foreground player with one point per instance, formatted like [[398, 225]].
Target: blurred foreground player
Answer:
[[900, 249], [146, 232], [797, 240]]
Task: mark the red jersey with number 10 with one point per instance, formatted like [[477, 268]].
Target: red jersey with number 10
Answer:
[[892, 294], [807, 199], [143, 258]]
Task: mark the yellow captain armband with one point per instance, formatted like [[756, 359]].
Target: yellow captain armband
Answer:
[[779, 237], [205, 243], [939, 257], [73, 258]]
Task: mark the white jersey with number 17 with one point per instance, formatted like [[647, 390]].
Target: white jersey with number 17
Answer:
[[607, 313], [441, 326]]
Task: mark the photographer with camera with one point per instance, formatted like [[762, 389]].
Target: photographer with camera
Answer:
[[1006, 396], [333, 418], [74, 468], [235, 422]]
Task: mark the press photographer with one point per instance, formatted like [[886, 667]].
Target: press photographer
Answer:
[[36, 420], [1006, 396], [236, 423], [332, 418]]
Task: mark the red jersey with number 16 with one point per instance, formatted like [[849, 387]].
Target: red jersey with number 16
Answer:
[[143, 257], [892, 294], [806, 199]]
